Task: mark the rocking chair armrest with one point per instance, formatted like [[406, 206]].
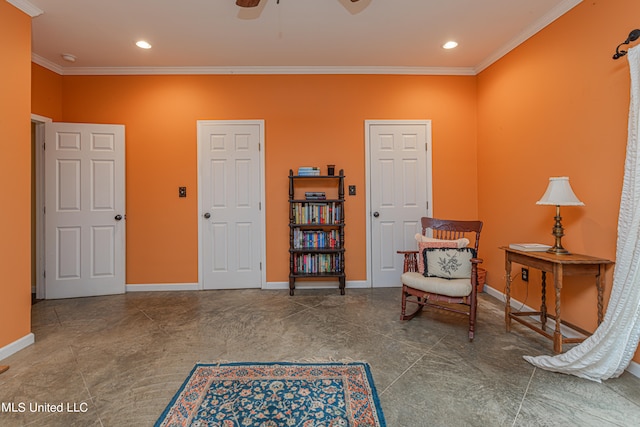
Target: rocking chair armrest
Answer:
[[410, 260]]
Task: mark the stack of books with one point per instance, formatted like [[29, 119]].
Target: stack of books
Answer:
[[308, 171], [315, 195], [529, 247]]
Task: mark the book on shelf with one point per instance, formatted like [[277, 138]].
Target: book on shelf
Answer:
[[315, 195], [316, 213], [308, 171], [529, 247]]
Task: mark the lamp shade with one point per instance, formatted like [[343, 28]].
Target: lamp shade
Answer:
[[559, 193]]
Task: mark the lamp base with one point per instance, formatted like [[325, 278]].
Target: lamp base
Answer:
[[558, 251], [558, 232]]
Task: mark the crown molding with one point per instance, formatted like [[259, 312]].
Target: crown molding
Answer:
[[555, 13], [26, 7], [115, 71], [37, 59]]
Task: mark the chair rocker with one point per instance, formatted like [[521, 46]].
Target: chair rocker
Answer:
[[451, 280]]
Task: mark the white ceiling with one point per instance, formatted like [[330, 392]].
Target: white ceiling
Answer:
[[216, 36]]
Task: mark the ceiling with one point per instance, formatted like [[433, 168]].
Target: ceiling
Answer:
[[332, 36]]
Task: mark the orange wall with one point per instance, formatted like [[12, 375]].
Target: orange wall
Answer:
[[557, 105], [315, 119], [15, 168], [46, 93]]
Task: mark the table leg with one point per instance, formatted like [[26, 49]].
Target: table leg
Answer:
[[600, 285], [557, 335], [507, 294], [543, 305]]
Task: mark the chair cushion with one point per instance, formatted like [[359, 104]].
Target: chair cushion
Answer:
[[448, 263], [437, 285], [459, 243]]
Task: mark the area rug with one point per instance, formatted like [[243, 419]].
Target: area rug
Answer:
[[276, 394]]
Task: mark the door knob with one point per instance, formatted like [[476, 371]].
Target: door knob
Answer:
[[376, 214], [207, 215], [118, 217]]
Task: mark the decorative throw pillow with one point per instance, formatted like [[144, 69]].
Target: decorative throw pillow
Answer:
[[435, 244], [429, 242], [448, 263]]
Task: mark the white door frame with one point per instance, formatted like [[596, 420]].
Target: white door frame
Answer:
[[263, 238], [38, 147], [367, 150]]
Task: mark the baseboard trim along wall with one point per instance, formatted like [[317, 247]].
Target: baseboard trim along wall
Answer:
[[316, 284], [633, 368], [162, 287], [16, 346]]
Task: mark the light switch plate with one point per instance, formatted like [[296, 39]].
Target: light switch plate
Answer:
[[182, 191], [352, 190]]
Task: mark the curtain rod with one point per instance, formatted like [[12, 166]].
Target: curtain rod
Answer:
[[633, 36]]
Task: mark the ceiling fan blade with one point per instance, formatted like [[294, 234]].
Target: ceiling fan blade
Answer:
[[249, 3]]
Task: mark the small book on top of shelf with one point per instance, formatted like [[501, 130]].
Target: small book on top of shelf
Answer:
[[315, 195], [308, 171], [529, 247]]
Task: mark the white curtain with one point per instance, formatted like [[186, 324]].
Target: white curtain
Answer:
[[607, 352]]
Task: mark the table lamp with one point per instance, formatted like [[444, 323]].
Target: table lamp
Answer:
[[559, 193]]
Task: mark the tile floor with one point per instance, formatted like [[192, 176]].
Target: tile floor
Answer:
[[120, 359]]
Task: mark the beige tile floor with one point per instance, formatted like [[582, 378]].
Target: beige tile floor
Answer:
[[121, 358]]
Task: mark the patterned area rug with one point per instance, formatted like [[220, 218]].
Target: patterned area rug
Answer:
[[276, 394]]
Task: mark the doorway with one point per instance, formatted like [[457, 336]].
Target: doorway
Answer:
[[80, 239], [399, 176], [231, 223]]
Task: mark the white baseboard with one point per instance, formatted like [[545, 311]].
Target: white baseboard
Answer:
[[319, 284], [161, 287], [16, 346], [519, 306], [633, 368]]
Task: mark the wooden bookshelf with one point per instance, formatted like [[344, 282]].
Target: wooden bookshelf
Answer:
[[316, 228]]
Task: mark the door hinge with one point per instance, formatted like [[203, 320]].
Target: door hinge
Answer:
[[260, 265], [426, 146], [259, 206], [427, 205]]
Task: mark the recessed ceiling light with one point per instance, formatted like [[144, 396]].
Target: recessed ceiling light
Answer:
[[450, 45], [143, 44]]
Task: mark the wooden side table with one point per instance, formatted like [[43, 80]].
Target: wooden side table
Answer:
[[560, 266]]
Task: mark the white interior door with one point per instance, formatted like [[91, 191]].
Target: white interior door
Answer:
[[232, 237], [84, 210], [399, 182]]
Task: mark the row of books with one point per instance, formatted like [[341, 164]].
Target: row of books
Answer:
[[308, 171], [316, 239], [317, 263], [317, 213]]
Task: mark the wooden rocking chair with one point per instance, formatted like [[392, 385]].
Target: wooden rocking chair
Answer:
[[453, 275]]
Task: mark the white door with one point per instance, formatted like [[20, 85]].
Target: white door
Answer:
[[84, 210], [399, 182], [231, 227]]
